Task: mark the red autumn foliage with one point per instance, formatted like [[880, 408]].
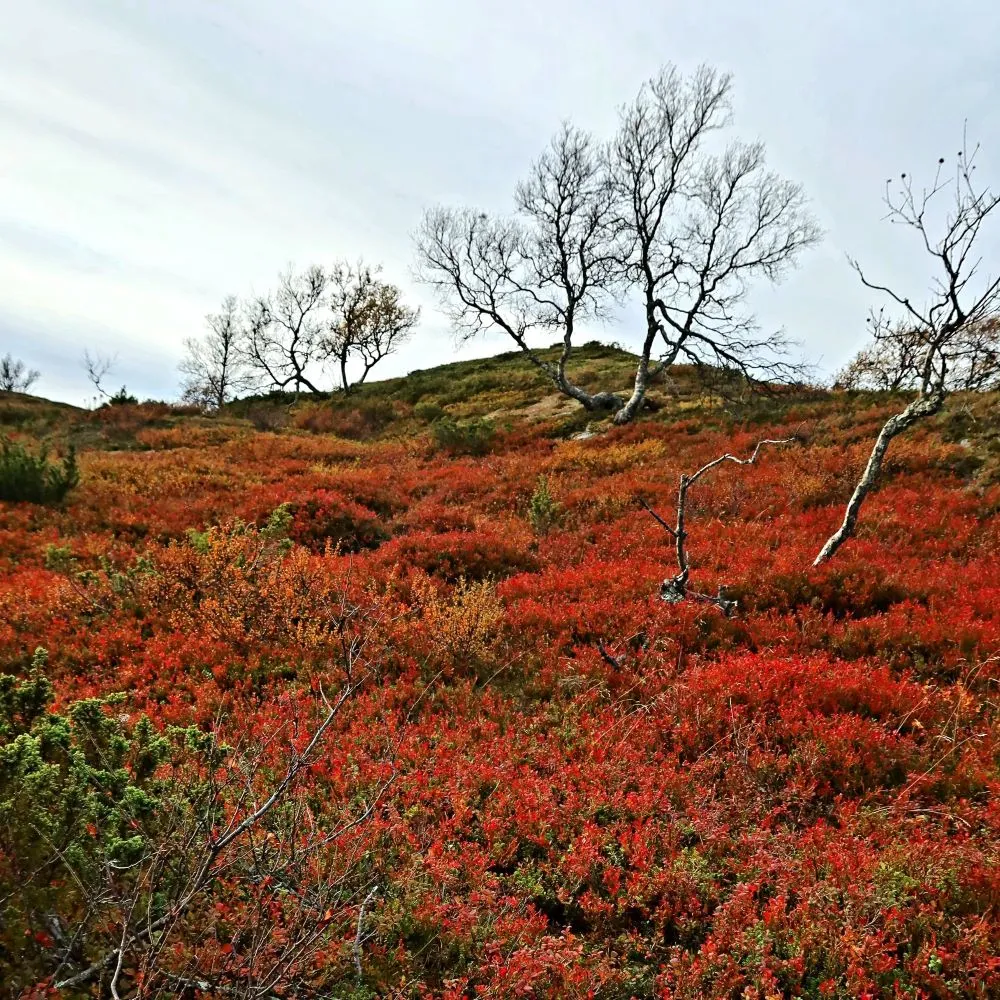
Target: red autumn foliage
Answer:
[[595, 793]]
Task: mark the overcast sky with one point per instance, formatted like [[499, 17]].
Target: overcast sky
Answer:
[[157, 155]]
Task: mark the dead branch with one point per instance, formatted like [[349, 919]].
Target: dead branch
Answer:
[[675, 589], [98, 366], [359, 934]]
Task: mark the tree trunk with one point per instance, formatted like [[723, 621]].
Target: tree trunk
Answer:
[[590, 402], [921, 407], [628, 412]]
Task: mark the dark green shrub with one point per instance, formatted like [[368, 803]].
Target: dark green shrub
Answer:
[[472, 437], [31, 477], [122, 398], [76, 791], [429, 412]]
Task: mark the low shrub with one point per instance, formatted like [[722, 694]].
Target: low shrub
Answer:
[[429, 412], [543, 510], [472, 437], [357, 421], [267, 417], [31, 478], [323, 516]]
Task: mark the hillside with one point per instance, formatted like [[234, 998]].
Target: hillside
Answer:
[[531, 776]]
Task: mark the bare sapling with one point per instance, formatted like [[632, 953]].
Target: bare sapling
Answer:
[[938, 337], [675, 589]]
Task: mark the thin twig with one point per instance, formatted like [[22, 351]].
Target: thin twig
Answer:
[[358, 939]]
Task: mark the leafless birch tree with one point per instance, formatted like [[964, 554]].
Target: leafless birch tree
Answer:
[[285, 331], [368, 322], [214, 368], [15, 375], [962, 300], [700, 227], [547, 268]]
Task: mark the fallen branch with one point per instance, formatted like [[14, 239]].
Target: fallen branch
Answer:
[[359, 939]]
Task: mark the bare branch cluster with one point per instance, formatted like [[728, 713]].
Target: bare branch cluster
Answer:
[[98, 366], [892, 362], [652, 212], [15, 375]]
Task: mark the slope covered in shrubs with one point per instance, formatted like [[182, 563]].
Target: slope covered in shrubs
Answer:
[[550, 782]]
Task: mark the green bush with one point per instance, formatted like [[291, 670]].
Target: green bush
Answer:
[[472, 437], [429, 412], [122, 398], [29, 477], [543, 511], [77, 794]]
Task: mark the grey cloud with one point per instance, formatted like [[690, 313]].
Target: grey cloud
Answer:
[[52, 246]]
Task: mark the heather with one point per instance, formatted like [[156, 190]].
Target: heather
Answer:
[[515, 769]]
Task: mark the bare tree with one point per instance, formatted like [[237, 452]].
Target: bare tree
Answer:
[[892, 362], [700, 228], [214, 367], [98, 366], [547, 268], [675, 589], [15, 375], [961, 302], [369, 320], [286, 329]]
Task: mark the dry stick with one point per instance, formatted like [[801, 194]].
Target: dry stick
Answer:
[[609, 659], [676, 589], [358, 938]]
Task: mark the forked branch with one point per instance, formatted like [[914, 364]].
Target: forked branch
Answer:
[[675, 589]]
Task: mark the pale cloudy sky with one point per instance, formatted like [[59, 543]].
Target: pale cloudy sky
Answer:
[[159, 154]]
